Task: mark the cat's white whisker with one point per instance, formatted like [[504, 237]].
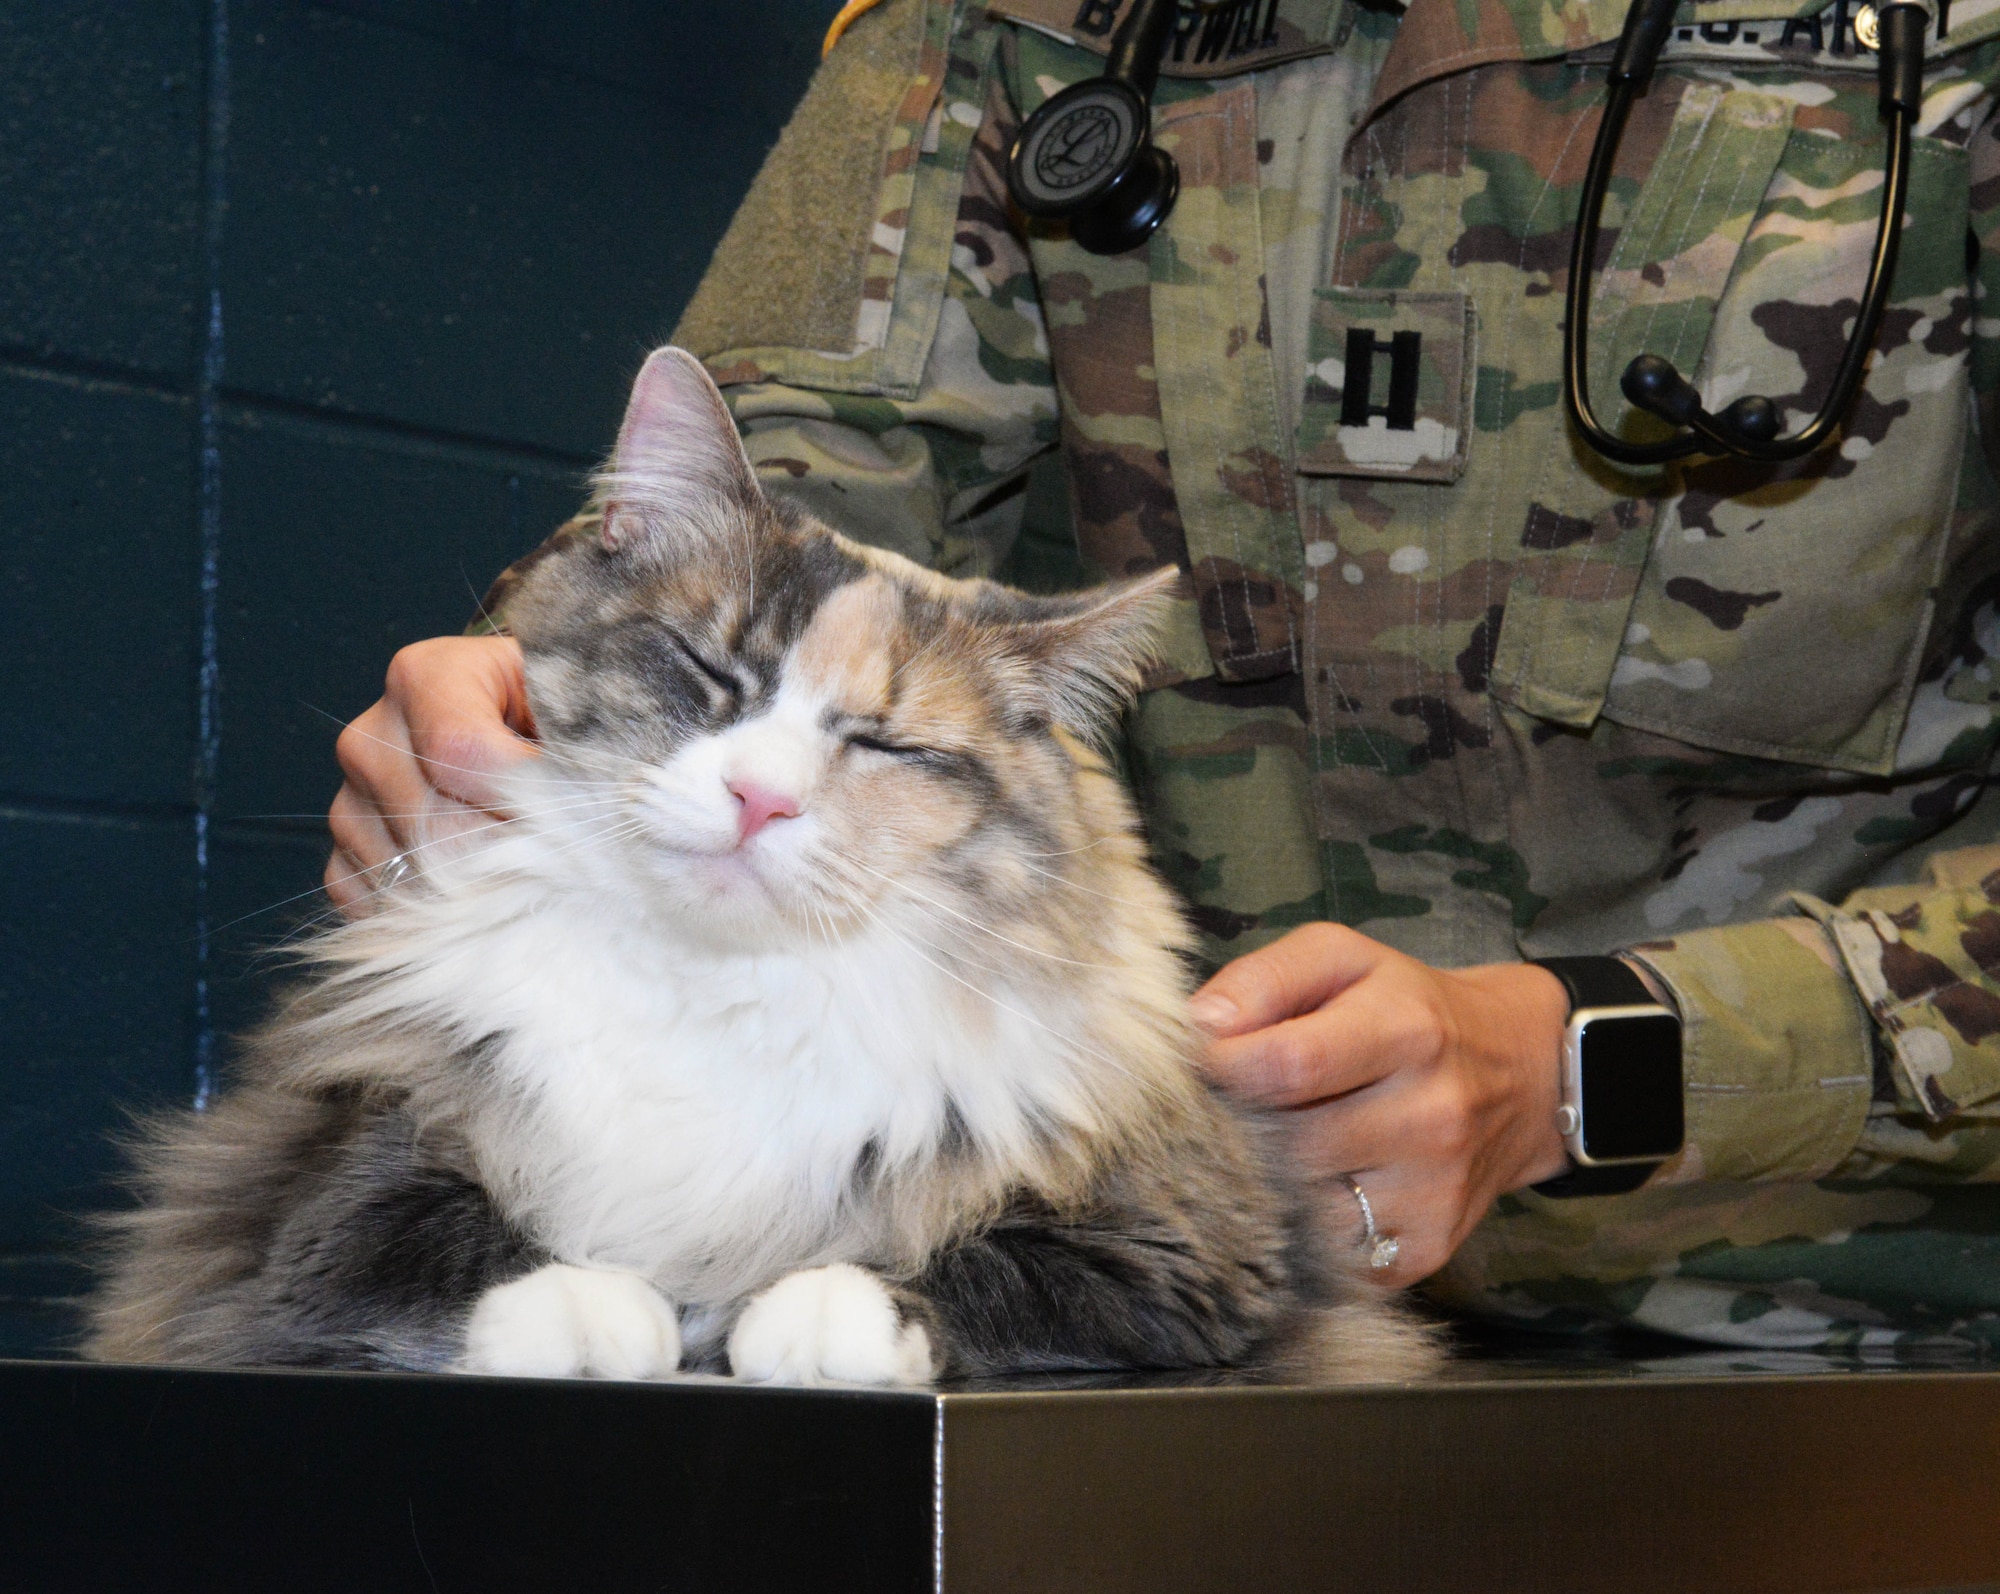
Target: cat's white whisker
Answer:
[[330, 914], [286, 902], [944, 907], [499, 816], [1078, 885], [479, 605], [1070, 852], [1006, 1007], [383, 741], [865, 910], [611, 831]]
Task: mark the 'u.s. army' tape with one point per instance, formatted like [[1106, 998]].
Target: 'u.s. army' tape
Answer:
[[1841, 35]]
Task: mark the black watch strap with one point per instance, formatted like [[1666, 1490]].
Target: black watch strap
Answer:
[[1598, 982], [1616, 1180]]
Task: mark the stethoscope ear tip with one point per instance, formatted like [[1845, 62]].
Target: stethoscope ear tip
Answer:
[[1653, 384], [1753, 417]]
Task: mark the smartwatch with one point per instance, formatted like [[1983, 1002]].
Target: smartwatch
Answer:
[[1622, 1113]]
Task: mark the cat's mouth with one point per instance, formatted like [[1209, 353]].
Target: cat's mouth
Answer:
[[722, 877], [735, 873]]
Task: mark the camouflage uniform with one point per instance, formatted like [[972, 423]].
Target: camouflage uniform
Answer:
[[1460, 682]]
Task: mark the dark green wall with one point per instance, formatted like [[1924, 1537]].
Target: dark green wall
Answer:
[[311, 316]]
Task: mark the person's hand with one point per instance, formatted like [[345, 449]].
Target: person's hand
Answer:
[[1434, 1089], [420, 764]]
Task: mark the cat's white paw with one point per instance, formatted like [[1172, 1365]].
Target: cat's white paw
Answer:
[[828, 1324], [569, 1322]]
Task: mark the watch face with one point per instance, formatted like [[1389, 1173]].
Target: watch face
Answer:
[[1631, 1094]]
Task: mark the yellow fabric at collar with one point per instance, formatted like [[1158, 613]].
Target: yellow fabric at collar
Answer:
[[844, 20]]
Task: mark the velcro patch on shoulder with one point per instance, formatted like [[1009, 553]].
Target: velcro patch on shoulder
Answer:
[[791, 270]]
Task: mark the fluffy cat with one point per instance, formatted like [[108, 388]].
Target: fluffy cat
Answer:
[[817, 1018]]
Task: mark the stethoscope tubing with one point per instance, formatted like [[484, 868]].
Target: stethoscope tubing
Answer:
[[1704, 435]]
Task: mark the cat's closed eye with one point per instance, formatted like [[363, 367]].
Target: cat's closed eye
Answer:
[[907, 751], [914, 755], [721, 676]]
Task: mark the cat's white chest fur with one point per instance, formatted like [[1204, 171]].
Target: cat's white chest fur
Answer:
[[710, 1120]]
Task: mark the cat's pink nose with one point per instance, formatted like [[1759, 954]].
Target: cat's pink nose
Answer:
[[757, 807]]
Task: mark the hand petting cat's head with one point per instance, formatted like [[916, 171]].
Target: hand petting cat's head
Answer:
[[773, 733]]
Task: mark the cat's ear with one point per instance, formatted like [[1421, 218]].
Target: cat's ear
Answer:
[[678, 459], [1083, 654]]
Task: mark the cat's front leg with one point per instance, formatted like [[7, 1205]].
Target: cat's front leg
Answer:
[[562, 1321], [836, 1324]]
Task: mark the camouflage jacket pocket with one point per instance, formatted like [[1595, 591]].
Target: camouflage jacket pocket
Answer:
[[1389, 378], [1820, 575], [1708, 157]]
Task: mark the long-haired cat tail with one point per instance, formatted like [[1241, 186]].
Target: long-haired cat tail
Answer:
[[819, 1017]]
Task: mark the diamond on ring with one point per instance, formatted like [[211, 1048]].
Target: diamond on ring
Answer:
[[1383, 1249]]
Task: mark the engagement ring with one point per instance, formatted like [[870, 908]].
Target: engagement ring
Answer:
[[390, 875], [1382, 1248]]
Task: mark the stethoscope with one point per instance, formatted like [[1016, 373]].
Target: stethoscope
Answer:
[[1086, 156], [1748, 428]]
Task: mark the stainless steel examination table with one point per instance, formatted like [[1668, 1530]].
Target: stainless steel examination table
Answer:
[[1690, 1474]]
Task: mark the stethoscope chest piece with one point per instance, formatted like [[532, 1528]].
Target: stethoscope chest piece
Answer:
[[1076, 147], [1085, 156]]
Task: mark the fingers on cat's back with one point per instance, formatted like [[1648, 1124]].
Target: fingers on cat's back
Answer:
[[1293, 975]]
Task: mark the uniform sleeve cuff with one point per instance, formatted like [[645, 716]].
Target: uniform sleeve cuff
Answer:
[[1777, 1050], [1922, 964]]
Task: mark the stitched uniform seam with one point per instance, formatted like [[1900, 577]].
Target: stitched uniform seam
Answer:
[[1204, 321], [1373, 151], [1531, 642], [1276, 467]]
